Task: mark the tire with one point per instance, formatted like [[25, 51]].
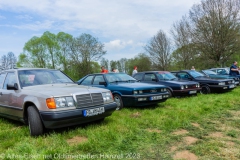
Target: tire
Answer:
[[170, 93], [118, 100], [34, 122], [205, 90]]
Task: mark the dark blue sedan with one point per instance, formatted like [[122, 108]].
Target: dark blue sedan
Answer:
[[176, 87], [126, 90]]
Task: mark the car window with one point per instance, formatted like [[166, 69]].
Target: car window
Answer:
[[149, 77], [182, 75], [97, 79], [221, 71], [138, 76], [2, 77], [39, 77], [10, 79], [214, 70], [87, 81]]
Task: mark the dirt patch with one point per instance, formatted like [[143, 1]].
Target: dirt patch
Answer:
[[229, 143], [190, 140], [180, 132], [154, 130], [216, 135], [136, 115], [76, 140], [173, 148], [196, 125], [235, 113], [185, 155]]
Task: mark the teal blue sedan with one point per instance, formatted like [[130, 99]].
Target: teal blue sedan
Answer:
[[126, 90]]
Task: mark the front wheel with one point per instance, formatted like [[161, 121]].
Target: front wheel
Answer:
[[170, 93], [118, 100], [34, 122], [205, 90]]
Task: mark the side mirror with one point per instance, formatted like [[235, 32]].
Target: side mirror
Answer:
[[103, 83], [155, 80], [12, 86]]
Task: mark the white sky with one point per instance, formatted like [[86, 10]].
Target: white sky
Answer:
[[124, 26]]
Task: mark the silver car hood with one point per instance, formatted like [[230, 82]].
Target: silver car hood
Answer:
[[62, 89]]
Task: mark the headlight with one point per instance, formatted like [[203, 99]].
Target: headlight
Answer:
[[182, 87], [163, 90], [221, 83], [140, 92], [107, 97], [197, 85], [64, 102], [60, 102], [135, 92], [233, 81], [186, 86]]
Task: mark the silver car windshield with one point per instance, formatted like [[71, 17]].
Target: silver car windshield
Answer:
[[39, 77], [119, 77], [209, 72]]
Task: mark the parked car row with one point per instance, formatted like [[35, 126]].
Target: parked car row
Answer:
[[47, 98]]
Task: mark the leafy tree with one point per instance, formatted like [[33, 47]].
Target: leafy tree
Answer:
[[215, 30], [86, 49], [142, 61], [35, 52]]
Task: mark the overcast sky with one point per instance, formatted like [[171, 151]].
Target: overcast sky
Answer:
[[123, 26]]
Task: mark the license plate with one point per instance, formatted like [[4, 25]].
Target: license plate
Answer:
[[93, 112], [155, 98], [232, 86], [192, 92]]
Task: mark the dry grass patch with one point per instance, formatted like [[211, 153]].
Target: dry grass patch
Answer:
[[190, 140], [154, 130], [186, 155], [76, 140], [216, 135], [235, 113], [180, 132], [136, 115], [196, 125]]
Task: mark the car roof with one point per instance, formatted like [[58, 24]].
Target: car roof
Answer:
[[154, 72]]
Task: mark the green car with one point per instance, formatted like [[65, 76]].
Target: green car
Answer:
[[214, 75]]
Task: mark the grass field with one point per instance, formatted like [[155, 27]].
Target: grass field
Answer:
[[200, 127]]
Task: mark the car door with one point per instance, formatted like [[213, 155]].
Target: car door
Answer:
[[184, 76], [87, 81], [9, 98], [2, 78], [99, 81], [150, 78], [138, 76]]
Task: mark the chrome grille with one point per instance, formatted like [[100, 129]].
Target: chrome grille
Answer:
[[88, 100]]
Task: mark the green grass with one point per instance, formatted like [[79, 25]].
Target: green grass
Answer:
[[138, 133]]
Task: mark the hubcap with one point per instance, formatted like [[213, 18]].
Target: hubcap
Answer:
[[117, 100]]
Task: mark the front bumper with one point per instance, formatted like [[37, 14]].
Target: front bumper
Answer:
[[186, 92], [224, 88], [58, 119], [138, 100]]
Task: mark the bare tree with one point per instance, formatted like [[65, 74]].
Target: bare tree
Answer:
[[159, 49], [215, 29], [8, 61], [184, 54], [104, 62]]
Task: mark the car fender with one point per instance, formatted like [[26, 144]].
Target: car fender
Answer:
[[116, 92]]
